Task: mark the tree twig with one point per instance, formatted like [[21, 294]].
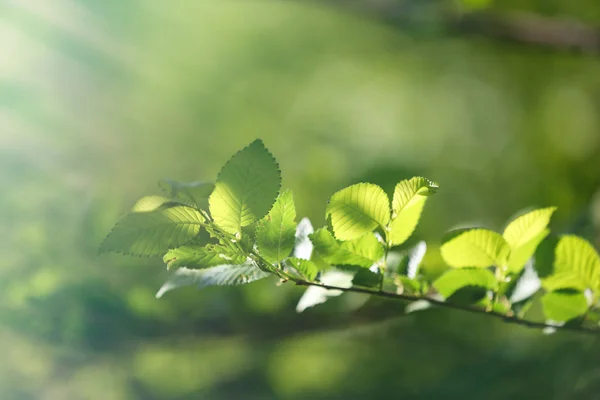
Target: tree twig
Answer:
[[475, 310]]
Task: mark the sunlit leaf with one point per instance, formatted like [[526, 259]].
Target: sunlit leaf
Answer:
[[410, 196], [246, 188], [456, 279], [306, 268], [519, 256], [358, 210], [317, 295], [475, 248], [524, 234], [149, 203], [222, 275], [198, 256], [154, 232], [523, 229], [276, 232], [363, 252], [564, 306], [195, 193]]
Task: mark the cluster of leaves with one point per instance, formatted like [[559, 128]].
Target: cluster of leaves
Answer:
[[243, 228]]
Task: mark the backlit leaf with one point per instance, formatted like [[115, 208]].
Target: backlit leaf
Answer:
[[276, 233], [197, 256], [564, 306], [456, 279], [523, 229], [358, 210], [475, 248], [154, 232], [306, 268], [246, 188], [363, 252], [410, 196]]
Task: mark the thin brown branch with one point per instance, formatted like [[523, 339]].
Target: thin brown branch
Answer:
[[440, 303]]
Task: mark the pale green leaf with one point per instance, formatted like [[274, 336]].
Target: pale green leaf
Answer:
[[149, 203], [358, 210], [317, 295], [306, 268], [221, 275], [193, 193], [198, 256], [519, 256], [276, 232], [364, 251], [522, 230], [456, 279], [246, 188], [564, 280], [577, 256], [154, 232], [475, 248], [564, 306], [410, 196]]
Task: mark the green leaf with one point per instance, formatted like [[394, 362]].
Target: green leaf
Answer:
[[524, 234], [317, 295], [154, 232], [149, 203], [475, 248], [276, 233], [306, 268], [246, 188], [569, 263], [197, 256], [363, 252], [456, 279], [578, 256], [563, 306], [523, 229], [518, 257], [193, 193], [410, 196], [222, 275], [358, 210]]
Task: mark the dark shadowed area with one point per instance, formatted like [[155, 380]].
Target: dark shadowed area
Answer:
[[101, 99]]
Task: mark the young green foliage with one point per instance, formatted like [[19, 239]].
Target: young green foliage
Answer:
[[479, 248], [241, 229], [197, 256], [358, 210], [410, 196], [149, 233], [456, 279], [363, 252], [246, 188], [276, 232]]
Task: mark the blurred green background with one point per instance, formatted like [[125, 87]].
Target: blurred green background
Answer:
[[100, 99]]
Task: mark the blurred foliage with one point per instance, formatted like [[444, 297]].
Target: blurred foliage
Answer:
[[99, 99]]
